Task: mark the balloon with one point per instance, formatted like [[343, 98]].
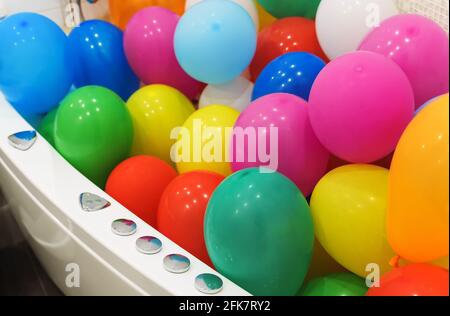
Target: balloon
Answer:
[[100, 58], [290, 73], [121, 11], [47, 127], [148, 41], [322, 263], [93, 131], [265, 19], [215, 41], [413, 280], [284, 36], [406, 39], [292, 149], [342, 25], [360, 105], [348, 206], [203, 142], [182, 210], [248, 5], [417, 218], [259, 232], [138, 184], [287, 8], [156, 110], [236, 94], [338, 284], [35, 63]]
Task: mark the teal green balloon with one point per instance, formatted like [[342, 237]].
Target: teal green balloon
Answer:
[[93, 131], [47, 127], [287, 8], [259, 232], [337, 284]]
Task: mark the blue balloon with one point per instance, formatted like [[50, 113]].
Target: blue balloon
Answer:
[[100, 58], [215, 41], [292, 73], [35, 64]]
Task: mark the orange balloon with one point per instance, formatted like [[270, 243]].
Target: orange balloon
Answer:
[[417, 217], [265, 18], [121, 11]]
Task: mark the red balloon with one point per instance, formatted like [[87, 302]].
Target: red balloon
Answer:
[[286, 35], [138, 183], [182, 210], [413, 280]]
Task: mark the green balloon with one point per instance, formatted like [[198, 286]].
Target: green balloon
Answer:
[[337, 284], [259, 232], [47, 127], [93, 131], [287, 8]]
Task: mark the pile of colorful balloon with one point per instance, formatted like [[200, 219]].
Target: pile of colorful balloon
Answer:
[[350, 110]]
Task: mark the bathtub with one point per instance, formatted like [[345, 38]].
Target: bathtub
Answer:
[[43, 191]]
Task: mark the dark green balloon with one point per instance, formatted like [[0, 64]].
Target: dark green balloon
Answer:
[[337, 284], [47, 127], [259, 232], [287, 8], [93, 131]]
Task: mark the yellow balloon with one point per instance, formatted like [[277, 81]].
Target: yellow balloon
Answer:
[[417, 218], [348, 207], [265, 18], [156, 110], [203, 143]]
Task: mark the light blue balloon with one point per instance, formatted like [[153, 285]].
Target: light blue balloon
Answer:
[[215, 41], [35, 65]]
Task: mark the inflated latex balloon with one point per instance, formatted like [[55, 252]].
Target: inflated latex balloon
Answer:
[[413, 280], [265, 18], [259, 232], [148, 41], [338, 284], [248, 5], [97, 47], [121, 11], [292, 73], [287, 8], [138, 184], [215, 41], [236, 94], [204, 140], [47, 127], [417, 218], [343, 24], [93, 131], [36, 70], [282, 140], [322, 263], [182, 209], [406, 39], [348, 206], [156, 110], [360, 105], [283, 36]]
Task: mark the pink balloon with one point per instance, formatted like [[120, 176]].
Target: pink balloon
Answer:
[[299, 154], [420, 47], [148, 42], [360, 105]]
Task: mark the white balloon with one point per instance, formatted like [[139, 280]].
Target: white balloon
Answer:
[[342, 24], [236, 94], [248, 5]]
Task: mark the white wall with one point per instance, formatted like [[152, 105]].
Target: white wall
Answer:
[[50, 8]]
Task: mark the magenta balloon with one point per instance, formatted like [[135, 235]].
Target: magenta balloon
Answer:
[[420, 47], [148, 41], [300, 155], [360, 105]]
